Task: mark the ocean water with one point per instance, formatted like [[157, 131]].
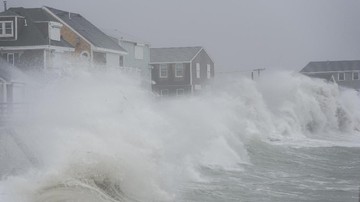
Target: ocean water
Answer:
[[101, 137]]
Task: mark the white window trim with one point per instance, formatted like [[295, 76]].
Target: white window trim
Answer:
[[180, 90], [198, 70], [183, 70], [358, 76], [3, 34], [7, 58], [339, 76], [208, 71], [164, 90], [167, 71]]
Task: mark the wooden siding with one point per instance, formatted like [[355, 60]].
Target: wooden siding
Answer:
[[79, 43]]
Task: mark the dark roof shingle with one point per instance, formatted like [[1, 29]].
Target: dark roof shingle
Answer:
[[87, 30], [326, 66], [175, 54]]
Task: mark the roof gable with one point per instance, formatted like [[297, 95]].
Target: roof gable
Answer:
[[31, 34], [327, 66], [87, 30], [173, 55]]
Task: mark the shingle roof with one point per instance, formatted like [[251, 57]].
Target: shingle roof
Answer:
[[325, 66], [119, 35], [31, 35], [8, 13], [176, 54], [87, 30]]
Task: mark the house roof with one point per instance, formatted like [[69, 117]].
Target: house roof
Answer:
[[31, 35], [173, 55], [87, 30], [122, 36], [326, 66], [9, 13]]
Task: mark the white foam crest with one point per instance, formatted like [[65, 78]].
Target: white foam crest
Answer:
[[105, 125]]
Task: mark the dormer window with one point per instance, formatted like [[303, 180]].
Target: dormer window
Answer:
[[6, 29]]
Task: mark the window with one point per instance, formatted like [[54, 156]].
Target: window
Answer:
[[198, 70], [121, 61], [179, 70], [180, 92], [341, 76], [11, 58], [54, 31], [85, 56], [139, 52], [355, 75], [163, 71], [208, 71], [6, 29], [164, 92]]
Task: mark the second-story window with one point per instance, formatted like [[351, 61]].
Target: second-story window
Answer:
[[179, 70], [341, 76], [355, 75], [6, 29], [163, 71]]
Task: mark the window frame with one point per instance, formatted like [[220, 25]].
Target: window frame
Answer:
[[180, 90], [353, 73], [341, 73], [164, 90], [198, 70], [208, 71], [8, 58], [3, 29], [177, 66], [165, 67]]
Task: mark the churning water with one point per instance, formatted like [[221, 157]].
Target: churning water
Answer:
[[100, 137]]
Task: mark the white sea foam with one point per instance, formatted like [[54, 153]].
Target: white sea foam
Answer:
[[102, 136]]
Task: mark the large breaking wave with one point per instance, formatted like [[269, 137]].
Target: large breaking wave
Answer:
[[101, 137]]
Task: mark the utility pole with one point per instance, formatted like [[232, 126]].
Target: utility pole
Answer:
[[258, 71]]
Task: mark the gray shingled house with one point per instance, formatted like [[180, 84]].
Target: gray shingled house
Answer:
[[30, 38], [89, 41], [180, 70], [345, 73]]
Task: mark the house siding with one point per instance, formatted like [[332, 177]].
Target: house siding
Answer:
[[141, 65], [171, 82], [348, 82], [203, 59], [76, 41]]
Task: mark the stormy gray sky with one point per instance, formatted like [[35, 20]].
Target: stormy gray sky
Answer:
[[238, 34]]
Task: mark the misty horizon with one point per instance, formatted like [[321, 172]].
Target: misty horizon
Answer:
[[239, 35]]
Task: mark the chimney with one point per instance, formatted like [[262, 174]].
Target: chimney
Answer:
[[5, 7]]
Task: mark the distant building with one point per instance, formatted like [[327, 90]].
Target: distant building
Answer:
[[138, 54], [180, 70], [345, 73]]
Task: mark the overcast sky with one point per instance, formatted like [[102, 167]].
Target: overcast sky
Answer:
[[238, 34]]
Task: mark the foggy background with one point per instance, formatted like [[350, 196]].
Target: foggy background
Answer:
[[238, 34]]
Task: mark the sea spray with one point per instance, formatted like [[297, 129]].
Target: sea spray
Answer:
[[102, 134]]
